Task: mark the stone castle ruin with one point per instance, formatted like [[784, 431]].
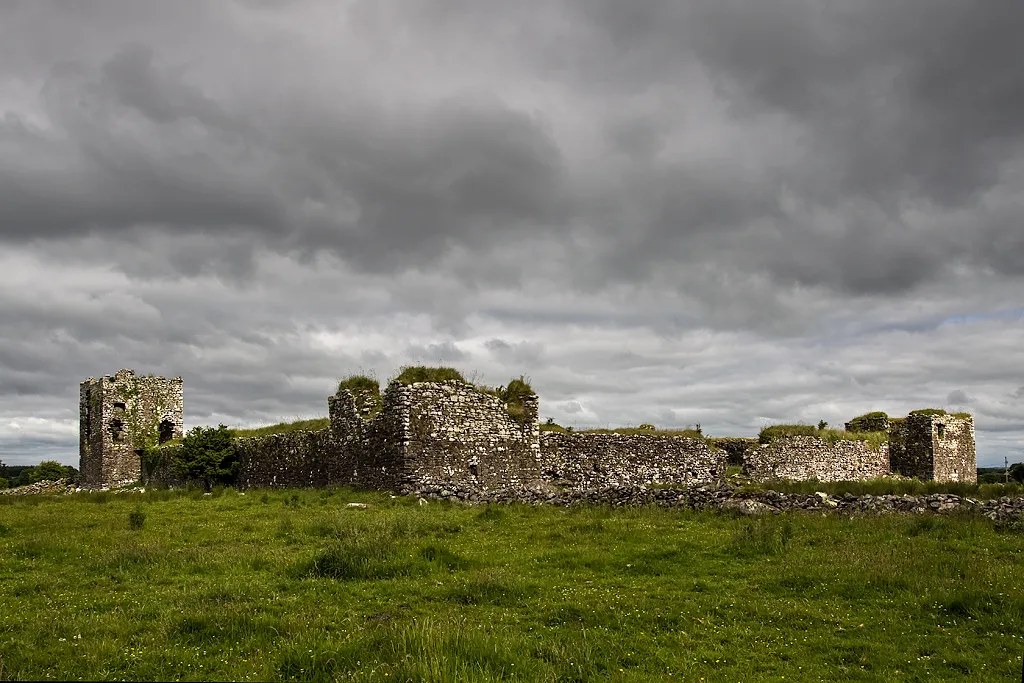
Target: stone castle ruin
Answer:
[[433, 435], [119, 417]]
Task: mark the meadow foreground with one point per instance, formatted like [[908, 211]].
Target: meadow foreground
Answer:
[[295, 585]]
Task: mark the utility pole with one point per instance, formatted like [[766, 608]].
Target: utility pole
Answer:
[[1006, 470]]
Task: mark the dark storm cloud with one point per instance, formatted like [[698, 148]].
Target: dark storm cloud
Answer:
[[644, 206], [137, 146]]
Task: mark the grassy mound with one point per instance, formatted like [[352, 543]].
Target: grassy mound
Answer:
[[410, 374]]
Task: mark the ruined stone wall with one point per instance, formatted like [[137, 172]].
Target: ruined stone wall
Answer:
[[457, 434], [373, 448], [735, 447], [802, 458], [586, 461], [953, 449], [293, 460], [910, 452], [120, 415]]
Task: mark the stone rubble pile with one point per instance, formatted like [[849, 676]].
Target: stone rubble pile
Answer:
[[731, 498], [60, 486]]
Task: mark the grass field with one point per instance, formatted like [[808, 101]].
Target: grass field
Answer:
[[293, 585]]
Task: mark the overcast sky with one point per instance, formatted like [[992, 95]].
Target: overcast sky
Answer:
[[723, 212]]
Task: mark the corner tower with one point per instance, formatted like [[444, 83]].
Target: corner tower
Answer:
[[934, 446], [119, 417]]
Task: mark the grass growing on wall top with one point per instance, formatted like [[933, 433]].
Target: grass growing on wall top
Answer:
[[513, 395], [310, 425], [937, 411], [359, 383], [410, 374], [283, 585], [631, 431], [829, 436], [642, 430]]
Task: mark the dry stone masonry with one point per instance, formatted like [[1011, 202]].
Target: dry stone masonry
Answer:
[[805, 458], [937, 447], [451, 435], [120, 416], [585, 461]]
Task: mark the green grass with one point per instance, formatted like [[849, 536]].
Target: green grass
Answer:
[[937, 411], [410, 374], [689, 433], [285, 427], [292, 585], [829, 436], [899, 487]]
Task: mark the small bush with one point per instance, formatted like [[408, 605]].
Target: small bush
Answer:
[[4, 483], [136, 519], [514, 396], [207, 454], [410, 374]]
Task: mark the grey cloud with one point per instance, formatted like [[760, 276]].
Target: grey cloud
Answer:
[[661, 211], [958, 397], [443, 351]]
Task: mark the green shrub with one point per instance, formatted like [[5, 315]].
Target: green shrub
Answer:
[[136, 518], [207, 454], [514, 395], [410, 374], [48, 470], [4, 483]]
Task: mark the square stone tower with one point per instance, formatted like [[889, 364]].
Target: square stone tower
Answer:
[[119, 416], [934, 447]]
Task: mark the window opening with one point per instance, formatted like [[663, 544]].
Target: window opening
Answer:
[[116, 428], [166, 431]]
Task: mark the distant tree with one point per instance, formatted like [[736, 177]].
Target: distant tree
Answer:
[[49, 470], [822, 424], [207, 454], [1017, 472]]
